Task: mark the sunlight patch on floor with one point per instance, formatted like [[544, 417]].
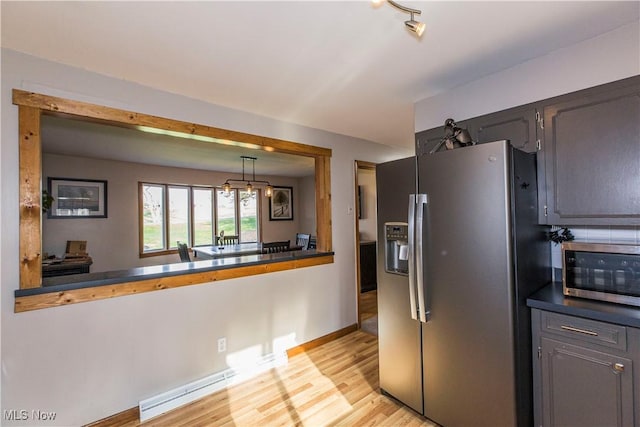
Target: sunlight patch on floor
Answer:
[[296, 400]]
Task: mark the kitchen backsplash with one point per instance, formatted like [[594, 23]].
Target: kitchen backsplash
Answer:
[[602, 234]]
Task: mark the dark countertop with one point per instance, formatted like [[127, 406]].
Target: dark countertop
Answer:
[[550, 298], [89, 280]]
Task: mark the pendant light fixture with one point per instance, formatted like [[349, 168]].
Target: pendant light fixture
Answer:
[[249, 183], [412, 24]]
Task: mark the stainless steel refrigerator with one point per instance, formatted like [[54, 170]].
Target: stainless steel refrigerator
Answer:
[[460, 251]]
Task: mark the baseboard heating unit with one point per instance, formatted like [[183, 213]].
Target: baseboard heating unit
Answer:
[[179, 396]]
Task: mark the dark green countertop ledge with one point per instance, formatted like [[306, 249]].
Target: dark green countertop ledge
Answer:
[[89, 280], [550, 298]]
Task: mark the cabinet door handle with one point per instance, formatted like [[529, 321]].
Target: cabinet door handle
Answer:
[[580, 331], [618, 367]]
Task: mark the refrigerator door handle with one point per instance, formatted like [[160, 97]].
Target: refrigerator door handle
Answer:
[[423, 311], [412, 258]]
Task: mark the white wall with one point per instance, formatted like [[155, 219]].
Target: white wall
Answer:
[[369, 220], [611, 56], [120, 228], [306, 197], [90, 360]]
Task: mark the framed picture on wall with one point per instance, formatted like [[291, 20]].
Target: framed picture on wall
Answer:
[[77, 198], [281, 204]]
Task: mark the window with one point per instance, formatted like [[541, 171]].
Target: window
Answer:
[[194, 215], [152, 217], [203, 216], [178, 216], [248, 216], [226, 209]]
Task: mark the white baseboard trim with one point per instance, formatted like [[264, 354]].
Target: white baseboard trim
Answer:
[[179, 396]]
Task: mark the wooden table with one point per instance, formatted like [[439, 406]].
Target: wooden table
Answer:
[[228, 250], [232, 250]]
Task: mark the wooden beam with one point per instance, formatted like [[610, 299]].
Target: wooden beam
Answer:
[[323, 203], [30, 195], [54, 299], [178, 128], [361, 164]]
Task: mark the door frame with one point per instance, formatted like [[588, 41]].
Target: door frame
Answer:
[[358, 165]]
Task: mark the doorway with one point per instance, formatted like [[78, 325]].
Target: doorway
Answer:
[[366, 246]]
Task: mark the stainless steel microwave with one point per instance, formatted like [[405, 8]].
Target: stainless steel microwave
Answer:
[[605, 272]]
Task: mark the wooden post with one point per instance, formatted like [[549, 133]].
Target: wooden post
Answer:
[[30, 198], [323, 203]]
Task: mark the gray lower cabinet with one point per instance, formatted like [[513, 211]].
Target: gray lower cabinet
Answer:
[[583, 371]]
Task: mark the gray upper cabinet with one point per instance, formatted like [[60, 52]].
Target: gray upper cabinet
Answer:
[[588, 145], [591, 156], [516, 124], [427, 140]]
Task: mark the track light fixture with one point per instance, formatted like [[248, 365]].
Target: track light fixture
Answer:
[[268, 190], [415, 26], [412, 24]]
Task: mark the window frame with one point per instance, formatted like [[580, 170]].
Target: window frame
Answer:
[[30, 108], [141, 218], [167, 217], [212, 190]]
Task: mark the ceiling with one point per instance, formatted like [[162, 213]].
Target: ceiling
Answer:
[[343, 66], [88, 139]]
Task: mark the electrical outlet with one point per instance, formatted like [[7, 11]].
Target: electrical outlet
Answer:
[[222, 345]]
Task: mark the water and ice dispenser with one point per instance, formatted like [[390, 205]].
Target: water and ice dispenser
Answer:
[[396, 247]]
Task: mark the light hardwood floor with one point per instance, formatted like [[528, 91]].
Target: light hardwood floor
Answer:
[[335, 384], [368, 305]]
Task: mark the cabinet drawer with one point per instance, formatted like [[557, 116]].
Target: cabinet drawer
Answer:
[[605, 334]]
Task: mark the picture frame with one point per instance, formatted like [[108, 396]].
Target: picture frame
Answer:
[[281, 204], [77, 198]]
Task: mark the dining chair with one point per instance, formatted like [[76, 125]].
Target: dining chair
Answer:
[[273, 247], [229, 240], [183, 251], [302, 240], [312, 243]]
